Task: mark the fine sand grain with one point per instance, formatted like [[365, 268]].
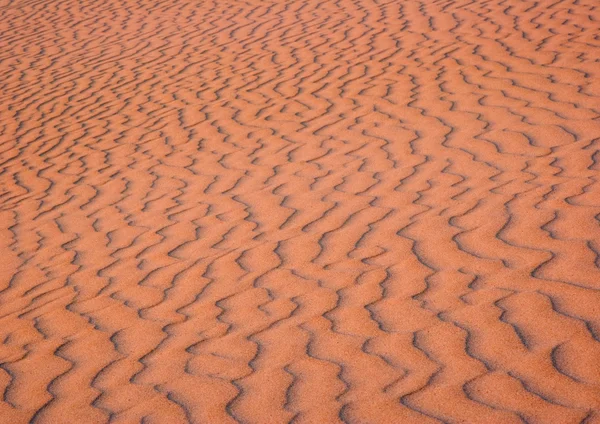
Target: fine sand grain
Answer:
[[312, 211]]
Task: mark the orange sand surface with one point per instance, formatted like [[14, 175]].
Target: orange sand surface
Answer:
[[319, 211]]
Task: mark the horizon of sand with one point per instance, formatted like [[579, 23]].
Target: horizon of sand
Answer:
[[360, 211]]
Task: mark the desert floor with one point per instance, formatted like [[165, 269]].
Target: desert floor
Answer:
[[319, 211]]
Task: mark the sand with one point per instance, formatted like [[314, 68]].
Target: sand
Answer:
[[360, 211]]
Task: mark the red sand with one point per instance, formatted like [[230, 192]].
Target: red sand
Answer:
[[313, 211]]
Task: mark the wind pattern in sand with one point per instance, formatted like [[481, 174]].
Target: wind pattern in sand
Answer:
[[360, 211]]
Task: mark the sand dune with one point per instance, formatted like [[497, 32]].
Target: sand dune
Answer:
[[361, 211]]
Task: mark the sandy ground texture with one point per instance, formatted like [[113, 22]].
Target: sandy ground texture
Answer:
[[264, 211]]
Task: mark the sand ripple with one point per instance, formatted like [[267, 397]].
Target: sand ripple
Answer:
[[361, 211]]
